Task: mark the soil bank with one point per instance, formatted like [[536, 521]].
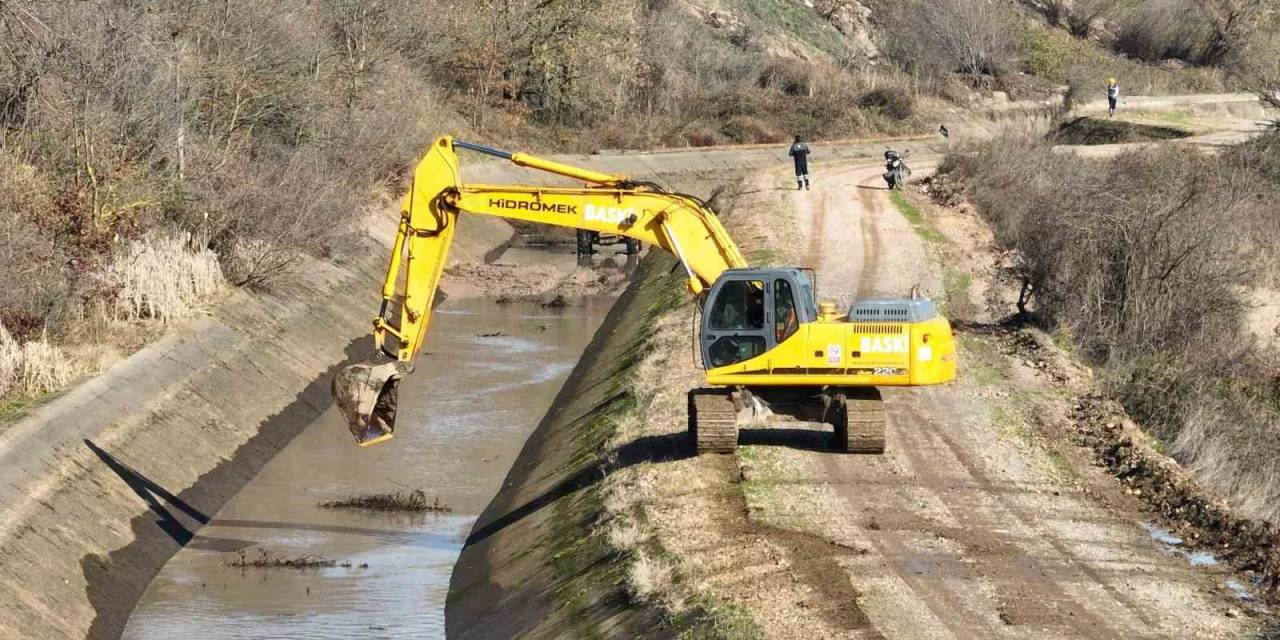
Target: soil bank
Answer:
[[100, 486], [533, 567]]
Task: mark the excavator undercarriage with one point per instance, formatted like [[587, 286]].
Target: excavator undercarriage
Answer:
[[855, 414]]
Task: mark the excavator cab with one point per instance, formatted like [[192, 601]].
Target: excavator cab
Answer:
[[750, 311]]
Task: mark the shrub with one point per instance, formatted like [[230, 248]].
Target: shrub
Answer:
[[751, 129], [1159, 30], [1129, 256], [1258, 67], [1057, 57], [938, 38], [894, 102], [32, 281], [1125, 252]]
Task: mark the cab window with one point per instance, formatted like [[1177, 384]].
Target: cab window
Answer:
[[785, 320], [807, 299], [739, 305]]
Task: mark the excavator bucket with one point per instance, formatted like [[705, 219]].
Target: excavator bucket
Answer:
[[366, 394]]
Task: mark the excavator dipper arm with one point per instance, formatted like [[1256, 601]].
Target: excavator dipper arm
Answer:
[[366, 393]]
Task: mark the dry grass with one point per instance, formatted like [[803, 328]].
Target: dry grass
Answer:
[[658, 381], [162, 277], [1231, 450], [32, 368], [627, 535], [650, 578]]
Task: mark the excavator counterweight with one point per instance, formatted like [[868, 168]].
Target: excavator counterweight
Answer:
[[769, 349]]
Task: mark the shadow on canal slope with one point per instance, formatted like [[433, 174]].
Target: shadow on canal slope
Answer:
[[664, 448], [153, 494]]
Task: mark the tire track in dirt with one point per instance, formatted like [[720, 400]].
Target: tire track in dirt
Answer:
[[970, 542], [989, 487], [870, 235], [1026, 587]]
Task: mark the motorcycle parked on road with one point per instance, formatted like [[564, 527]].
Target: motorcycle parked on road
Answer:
[[896, 169]]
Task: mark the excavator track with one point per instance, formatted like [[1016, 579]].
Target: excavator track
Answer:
[[860, 426], [713, 421]]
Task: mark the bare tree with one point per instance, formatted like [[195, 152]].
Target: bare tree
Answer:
[[1233, 24], [1079, 17], [1258, 67], [973, 37]]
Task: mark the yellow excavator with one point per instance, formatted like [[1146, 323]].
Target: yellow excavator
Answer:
[[769, 350]]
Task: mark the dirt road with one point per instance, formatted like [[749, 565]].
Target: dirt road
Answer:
[[966, 527]]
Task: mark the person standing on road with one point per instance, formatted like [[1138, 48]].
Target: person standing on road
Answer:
[[1113, 96], [800, 155]]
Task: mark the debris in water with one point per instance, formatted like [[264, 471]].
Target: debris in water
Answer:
[[415, 500], [557, 302], [495, 334], [267, 561]]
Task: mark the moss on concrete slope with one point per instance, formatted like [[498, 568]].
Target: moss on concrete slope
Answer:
[[536, 565]]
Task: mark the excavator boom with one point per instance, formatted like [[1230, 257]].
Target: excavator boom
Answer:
[[366, 393]]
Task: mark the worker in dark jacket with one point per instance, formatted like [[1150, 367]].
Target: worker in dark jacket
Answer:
[[800, 154]]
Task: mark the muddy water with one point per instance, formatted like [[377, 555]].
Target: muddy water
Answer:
[[464, 416]]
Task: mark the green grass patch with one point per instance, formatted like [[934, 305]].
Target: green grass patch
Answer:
[[758, 488], [1054, 55], [800, 22], [13, 408], [983, 362], [916, 218], [591, 576], [718, 619], [955, 286], [763, 257], [1013, 413]]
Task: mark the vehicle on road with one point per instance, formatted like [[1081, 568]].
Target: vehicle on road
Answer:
[[769, 349], [896, 171]]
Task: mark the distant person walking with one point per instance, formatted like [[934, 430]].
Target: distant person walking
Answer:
[[1113, 96], [800, 155]]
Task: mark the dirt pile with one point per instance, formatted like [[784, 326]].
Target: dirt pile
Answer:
[[1088, 130], [1206, 522]]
